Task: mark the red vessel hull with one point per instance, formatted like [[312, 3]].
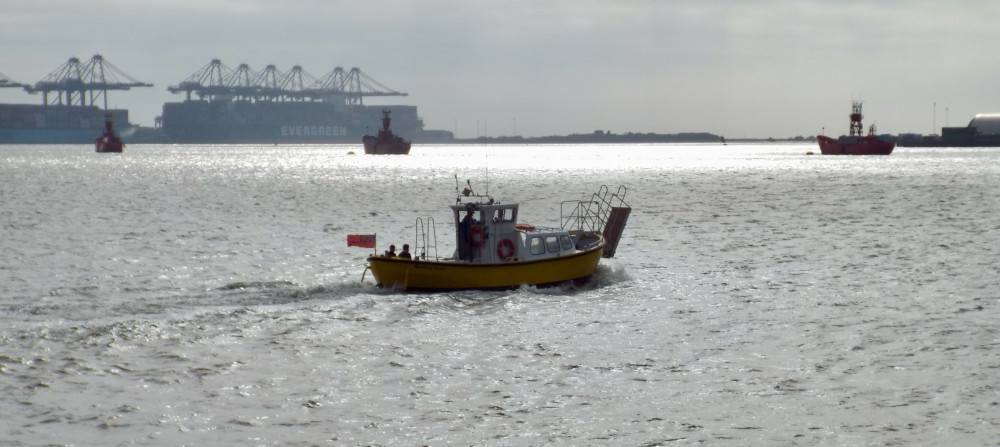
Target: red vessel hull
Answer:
[[103, 144], [397, 146], [869, 145], [108, 142]]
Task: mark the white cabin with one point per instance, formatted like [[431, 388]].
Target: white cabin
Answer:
[[488, 232]]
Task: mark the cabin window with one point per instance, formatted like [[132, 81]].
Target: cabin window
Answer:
[[553, 244], [537, 246], [466, 220], [473, 216], [567, 243], [503, 215]]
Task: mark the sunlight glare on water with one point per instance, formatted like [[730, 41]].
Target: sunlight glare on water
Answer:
[[203, 295]]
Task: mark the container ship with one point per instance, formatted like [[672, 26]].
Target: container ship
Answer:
[[56, 124], [201, 121], [241, 105]]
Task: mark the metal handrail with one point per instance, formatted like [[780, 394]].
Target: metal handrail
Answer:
[[422, 243], [592, 214]]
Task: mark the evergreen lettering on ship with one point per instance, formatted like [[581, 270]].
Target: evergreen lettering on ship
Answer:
[[313, 131]]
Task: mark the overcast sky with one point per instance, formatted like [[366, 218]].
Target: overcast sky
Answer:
[[769, 68]]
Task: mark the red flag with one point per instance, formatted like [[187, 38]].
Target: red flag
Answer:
[[361, 240]]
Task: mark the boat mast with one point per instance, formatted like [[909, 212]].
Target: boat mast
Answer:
[[856, 127]]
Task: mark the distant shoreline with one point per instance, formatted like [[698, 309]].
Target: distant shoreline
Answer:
[[149, 135], [629, 138]]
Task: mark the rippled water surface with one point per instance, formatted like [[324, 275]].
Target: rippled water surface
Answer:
[[204, 295]]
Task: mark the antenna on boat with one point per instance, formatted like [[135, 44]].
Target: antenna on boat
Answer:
[[486, 141], [468, 192]]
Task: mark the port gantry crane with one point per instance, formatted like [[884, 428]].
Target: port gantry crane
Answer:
[[83, 84], [216, 81], [354, 85], [6, 82]]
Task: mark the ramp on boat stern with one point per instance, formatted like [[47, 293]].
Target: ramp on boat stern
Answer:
[[613, 229]]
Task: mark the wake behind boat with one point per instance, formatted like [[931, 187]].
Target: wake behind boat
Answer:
[[856, 143], [494, 251]]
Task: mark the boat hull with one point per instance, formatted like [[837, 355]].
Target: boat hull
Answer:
[[415, 275], [373, 146], [108, 144], [855, 146], [110, 148]]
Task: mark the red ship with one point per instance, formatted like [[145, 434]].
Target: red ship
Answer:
[[386, 142], [856, 143], [108, 142]]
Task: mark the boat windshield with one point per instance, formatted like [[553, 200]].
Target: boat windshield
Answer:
[[552, 242], [567, 243]]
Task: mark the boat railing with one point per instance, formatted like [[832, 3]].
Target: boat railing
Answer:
[[425, 239], [605, 213], [579, 215], [593, 214], [614, 217]]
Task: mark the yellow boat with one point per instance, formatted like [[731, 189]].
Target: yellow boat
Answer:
[[493, 251]]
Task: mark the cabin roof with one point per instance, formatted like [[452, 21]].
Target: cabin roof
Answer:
[[483, 206]]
